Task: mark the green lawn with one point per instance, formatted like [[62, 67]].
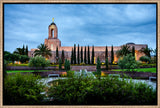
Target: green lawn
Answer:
[[153, 70], [15, 71]]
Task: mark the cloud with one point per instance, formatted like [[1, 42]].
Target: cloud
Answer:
[[86, 24]]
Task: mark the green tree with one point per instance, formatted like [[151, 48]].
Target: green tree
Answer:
[[112, 55], [154, 60], [15, 57], [23, 50], [63, 57], [145, 59], [81, 54], [155, 52], [133, 51], [18, 51], [128, 62], [60, 64], [43, 50], [23, 58], [98, 67], [7, 56], [72, 57], [85, 60], [88, 55], [4, 69], [78, 55], [106, 62], [92, 55], [74, 53], [106, 52], [38, 61], [57, 54], [125, 50], [67, 65], [26, 51], [146, 51]]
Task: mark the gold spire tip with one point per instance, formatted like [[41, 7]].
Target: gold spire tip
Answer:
[[52, 19]]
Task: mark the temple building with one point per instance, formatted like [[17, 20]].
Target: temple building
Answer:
[[53, 42]]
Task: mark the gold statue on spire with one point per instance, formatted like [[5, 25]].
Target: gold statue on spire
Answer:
[[52, 19]]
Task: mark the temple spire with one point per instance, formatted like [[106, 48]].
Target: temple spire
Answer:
[[52, 19]]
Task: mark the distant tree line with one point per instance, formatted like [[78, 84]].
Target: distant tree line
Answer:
[[20, 54]]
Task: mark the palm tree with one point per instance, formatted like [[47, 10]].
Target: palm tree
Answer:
[[43, 50], [18, 51], [146, 51], [123, 51]]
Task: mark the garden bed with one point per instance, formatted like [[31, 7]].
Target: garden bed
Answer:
[[133, 74]]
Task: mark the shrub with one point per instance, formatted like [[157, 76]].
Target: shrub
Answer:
[[107, 91], [22, 89], [128, 62], [70, 73], [39, 61], [145, 59], [82, 63]]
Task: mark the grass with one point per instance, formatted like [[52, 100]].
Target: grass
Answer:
[[17, 64], [153, 70], [16, 71]]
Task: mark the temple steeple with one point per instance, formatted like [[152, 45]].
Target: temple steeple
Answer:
[[52, 30]]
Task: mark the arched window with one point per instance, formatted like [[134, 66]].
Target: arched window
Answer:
[[52, 33]]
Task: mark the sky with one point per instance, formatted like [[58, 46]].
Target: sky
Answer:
[[83, 24]]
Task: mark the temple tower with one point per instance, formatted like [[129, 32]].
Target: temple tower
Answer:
[[52, 42]]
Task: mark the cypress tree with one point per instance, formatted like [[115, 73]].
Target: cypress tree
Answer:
[[106, 62], [81, 54], [26, 51], [23, 50], [85, 61], [66, 65], [92, 55], [60, 64], [133, 51], [78, 55], [74, 54], [88, 55], [57, 55], [63, 57], [106, 52], [98, 67], [112, 55]]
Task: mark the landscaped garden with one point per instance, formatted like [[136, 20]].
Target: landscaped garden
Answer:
[[92, 88]]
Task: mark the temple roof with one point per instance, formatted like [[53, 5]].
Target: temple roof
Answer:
[[130, 43], [52, 23]]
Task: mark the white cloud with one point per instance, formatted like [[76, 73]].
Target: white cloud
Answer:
[[85, 24]]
